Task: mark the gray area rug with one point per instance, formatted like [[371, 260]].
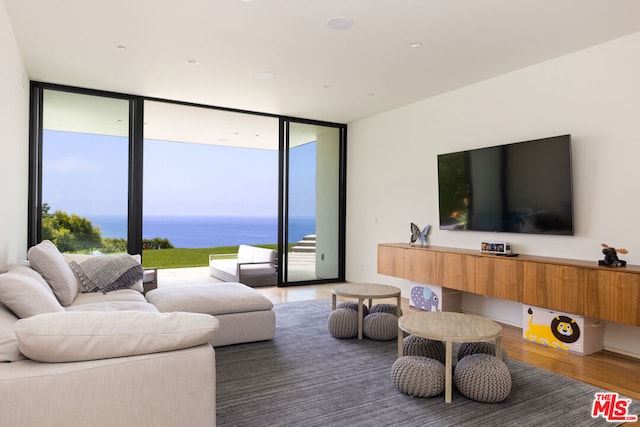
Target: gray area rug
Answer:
[[306, 377]]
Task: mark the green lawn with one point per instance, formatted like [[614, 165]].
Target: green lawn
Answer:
[[186, 257]]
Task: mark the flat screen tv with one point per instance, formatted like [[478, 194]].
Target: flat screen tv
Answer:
[[523, 187]]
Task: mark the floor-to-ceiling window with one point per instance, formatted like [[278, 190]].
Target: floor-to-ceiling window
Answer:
[[84, 176], [114, 173], [210, 177], [313, 201]]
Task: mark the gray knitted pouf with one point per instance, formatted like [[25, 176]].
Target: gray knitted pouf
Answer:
[[418, 376], [413, 345], [380, 326], [384, 308], [353, 305], [483, 378], [343, 323], [485, 347]]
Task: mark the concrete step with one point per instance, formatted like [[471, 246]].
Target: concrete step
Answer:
[[307, 249]]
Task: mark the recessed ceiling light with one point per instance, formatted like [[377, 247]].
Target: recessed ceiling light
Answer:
[[339, 23], [191, 61], [266, 75], [413, 45]]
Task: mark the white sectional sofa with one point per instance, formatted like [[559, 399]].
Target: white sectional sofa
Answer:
[[253, 266], [71, 357]]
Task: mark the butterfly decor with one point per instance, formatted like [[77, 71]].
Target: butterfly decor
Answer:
[[417, 234]]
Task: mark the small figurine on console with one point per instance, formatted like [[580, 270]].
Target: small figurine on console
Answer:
[[611, 256], [417, 234]]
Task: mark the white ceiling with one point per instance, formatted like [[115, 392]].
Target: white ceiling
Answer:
[[141, 47]]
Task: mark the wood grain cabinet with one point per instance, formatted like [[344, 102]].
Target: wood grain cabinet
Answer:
[[499, 278], [391, 261], [556, 287], [456, 271], [420, 266], [572, 286], [613, 295]]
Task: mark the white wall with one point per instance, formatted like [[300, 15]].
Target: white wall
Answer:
[[593, 94], [14, 148]]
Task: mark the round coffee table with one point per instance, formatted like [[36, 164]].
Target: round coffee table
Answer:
[[450, 327], [363, 291]]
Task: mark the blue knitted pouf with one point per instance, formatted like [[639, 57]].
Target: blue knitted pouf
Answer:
[[483, 378], [414, 345], [380, 326], [343, 323], [418, 376]]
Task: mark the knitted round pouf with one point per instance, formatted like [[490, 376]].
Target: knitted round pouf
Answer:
[[483, 378], [384, 308], [485, 347], [418, 376], [380, 326], [343, 323], [414, 345], [353, 305]]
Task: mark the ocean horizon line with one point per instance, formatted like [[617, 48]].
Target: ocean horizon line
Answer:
[[207, 231]]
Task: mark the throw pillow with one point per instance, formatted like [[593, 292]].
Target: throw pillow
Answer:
[[25, 270], [25, 296], [76, 335], [9, 351], [47, 260]]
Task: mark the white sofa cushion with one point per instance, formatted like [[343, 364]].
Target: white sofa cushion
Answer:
[[47, 260], [9, 351], [28, 271], [26, 296], [117, 295], [214, 299], [79, 335], [113, 306], [248, 253]]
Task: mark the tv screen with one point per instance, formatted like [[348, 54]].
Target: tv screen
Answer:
[[523, 187]]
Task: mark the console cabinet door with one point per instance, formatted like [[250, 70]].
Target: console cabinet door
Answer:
[[614, 296], [499, 277], [420, 266], [556, 287], [391, 260], [456, 271]]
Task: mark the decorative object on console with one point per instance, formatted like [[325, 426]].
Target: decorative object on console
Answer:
[[611, 256], [498, 248], [424, 298], [417, 234], [562, 331]]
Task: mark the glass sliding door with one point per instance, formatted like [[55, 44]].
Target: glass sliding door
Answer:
[[313, 204], [210, 180], [84, 176], [116, 173]]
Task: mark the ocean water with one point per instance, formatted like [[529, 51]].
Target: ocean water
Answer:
[[206, 232]]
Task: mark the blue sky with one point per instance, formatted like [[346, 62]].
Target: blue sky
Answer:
[[87, 175]]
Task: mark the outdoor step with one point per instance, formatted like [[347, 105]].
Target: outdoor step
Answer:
[[309, 237], [303, 249], [306, 243]]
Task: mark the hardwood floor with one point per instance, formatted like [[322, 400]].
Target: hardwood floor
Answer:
[[604, 369]]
